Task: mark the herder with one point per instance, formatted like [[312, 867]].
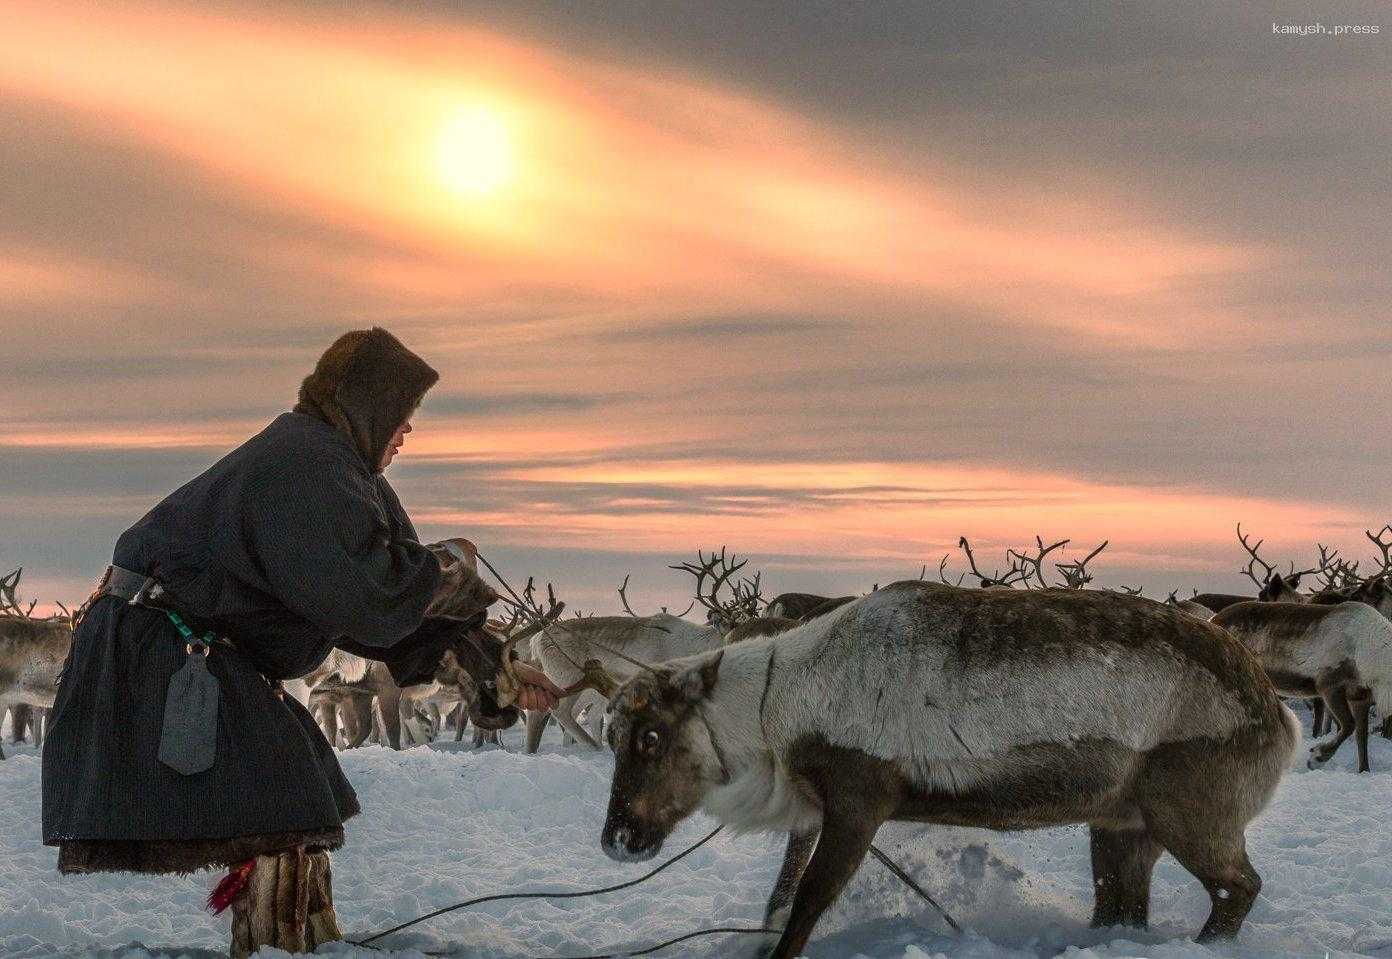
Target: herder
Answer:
[[171, 747]]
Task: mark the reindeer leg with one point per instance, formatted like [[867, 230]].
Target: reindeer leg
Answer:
[[1122, 861], [845, 839], [358, 714], [1361, 703], [21, 718], [40, 726], [597, 721], [799, 850], [1318, 717], [1335, 698], [389, 709], [566, 717], [328, 721], [536, 725]]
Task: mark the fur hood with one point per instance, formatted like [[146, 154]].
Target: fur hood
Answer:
[[366, 385]]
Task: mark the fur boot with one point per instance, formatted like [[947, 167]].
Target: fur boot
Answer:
[[287, 903]]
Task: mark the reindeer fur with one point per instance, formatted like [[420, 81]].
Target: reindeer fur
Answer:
[[32, 653], [564, 646], [1343, 654], [1002, 709]]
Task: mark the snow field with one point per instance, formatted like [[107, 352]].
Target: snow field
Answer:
[[447, 823]]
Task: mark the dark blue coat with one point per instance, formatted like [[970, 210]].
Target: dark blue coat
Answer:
[[288, 546]]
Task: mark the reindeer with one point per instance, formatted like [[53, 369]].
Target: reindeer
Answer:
[[1341, 653], [336, 704], [616, 642], [803, 605], [1003, 709], [1339, 584], [27, 723], [349, 668], [32, 653], [1272, 586], [1197, 610]]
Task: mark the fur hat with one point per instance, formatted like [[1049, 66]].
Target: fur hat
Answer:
[[366, 385]]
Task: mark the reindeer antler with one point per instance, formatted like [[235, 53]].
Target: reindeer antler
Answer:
[[9, 603], [1034, 565], [1384, 547], [1014, 574], [1255, 559], [623, 597], [719, 570], [1075, 575], [942, 573]]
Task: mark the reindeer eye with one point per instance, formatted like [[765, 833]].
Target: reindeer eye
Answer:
[[651, 739]]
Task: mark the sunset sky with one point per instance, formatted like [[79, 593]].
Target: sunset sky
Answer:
[[830, 283]]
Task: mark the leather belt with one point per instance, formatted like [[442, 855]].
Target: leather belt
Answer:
[[135, 588]]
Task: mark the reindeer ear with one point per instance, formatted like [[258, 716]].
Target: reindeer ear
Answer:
[[695, 684]]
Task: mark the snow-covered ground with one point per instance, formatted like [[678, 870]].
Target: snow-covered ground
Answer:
[[442, 824]]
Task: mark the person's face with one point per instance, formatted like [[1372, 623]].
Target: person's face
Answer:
[[398, 438]]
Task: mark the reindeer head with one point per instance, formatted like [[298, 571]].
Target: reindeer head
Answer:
[[475, 665], [1377, 593], [665, 762], [1282, 589]]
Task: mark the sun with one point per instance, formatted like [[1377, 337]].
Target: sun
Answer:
[[475, 152]]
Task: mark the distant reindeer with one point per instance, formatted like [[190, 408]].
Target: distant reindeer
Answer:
[[803, 605], [1026, 570], [616, 642], [1197, 610], [25, 721], [1340, 653], [1002, 709], [1272, 585], [32, 653]]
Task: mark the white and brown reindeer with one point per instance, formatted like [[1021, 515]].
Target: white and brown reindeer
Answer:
[[1003, 709], [1341, 701], [618, 642], [1341, 653], [32, 652]]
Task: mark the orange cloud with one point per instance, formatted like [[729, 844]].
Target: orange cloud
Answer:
[[39, 276], [629, 186], [906, 512]]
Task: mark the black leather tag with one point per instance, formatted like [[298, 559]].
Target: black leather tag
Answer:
[[188, 739]]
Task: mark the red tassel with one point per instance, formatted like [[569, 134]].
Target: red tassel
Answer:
[[232, 884]]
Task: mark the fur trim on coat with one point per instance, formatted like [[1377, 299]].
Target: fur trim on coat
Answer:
[[187, 855]]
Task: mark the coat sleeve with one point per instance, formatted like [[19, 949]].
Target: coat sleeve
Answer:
[[415, 659], [327, 552]]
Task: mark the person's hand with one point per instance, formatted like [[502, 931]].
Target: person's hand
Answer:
[[537, 693]]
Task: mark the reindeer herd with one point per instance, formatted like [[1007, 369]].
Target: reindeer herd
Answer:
[[1333, 653], [1031, 700]]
